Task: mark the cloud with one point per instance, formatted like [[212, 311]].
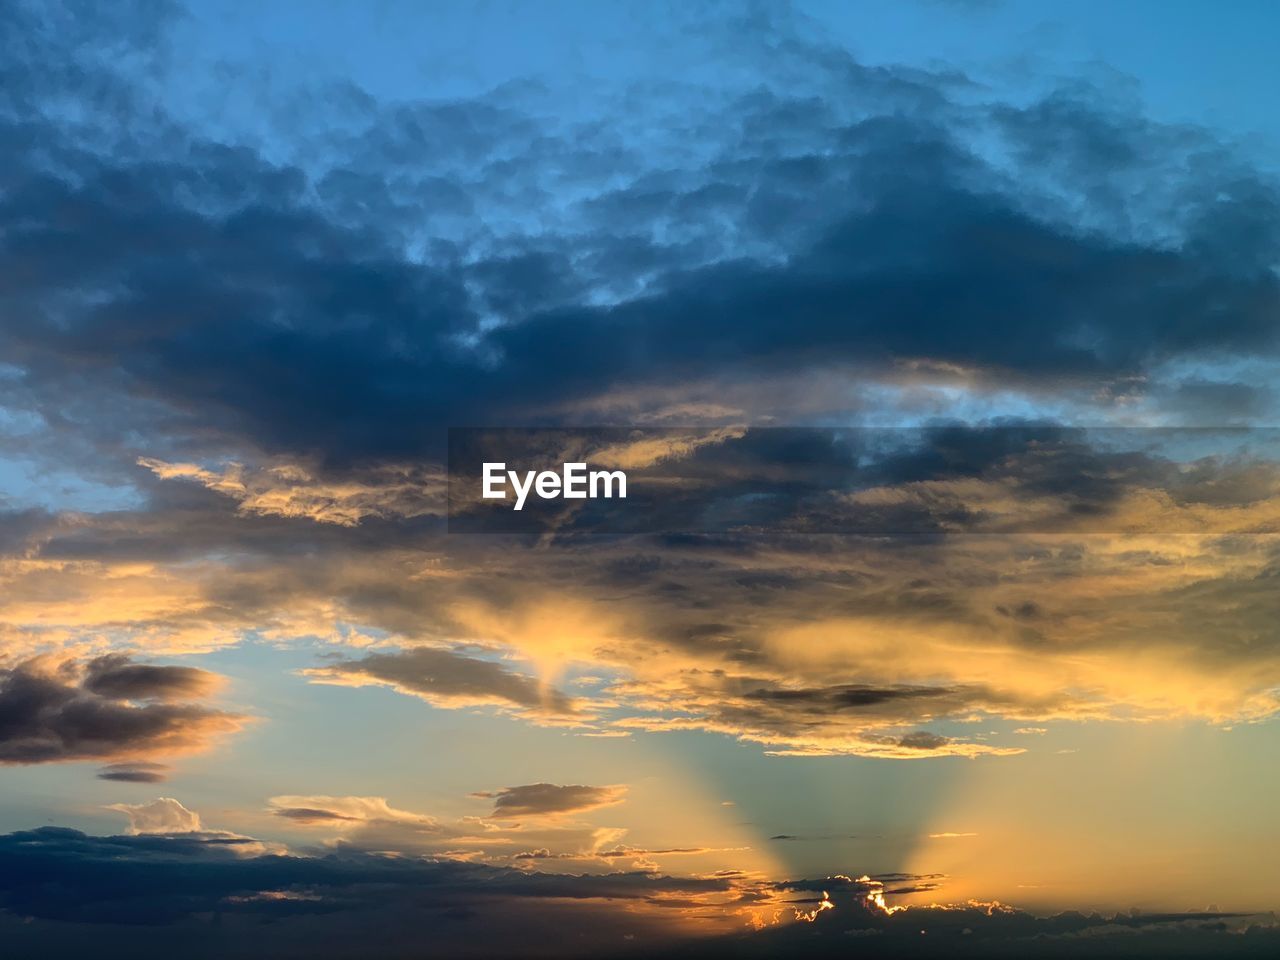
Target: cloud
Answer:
[[1034, 478], [56, 877], [550, 799], [898, 225], [861, 642], [115, 677], [313, 815], [636, 858], [444, 678], [944, 256], [127, 893], [166, 819], [163, 815], [922, 740], [288, 490], [372, 824], [251, 352], [811, 721], [804, 644], [341, 811], [136, 771], [106, 708]]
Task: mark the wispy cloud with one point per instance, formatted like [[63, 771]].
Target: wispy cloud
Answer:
[[543, 799]]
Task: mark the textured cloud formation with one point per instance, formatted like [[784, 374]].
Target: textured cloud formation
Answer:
[[115, 677], [340, 810], [1013, 477], [163, 815], [885, 224], [230, 361], [540, 799], [166, 883], [445, 678], [137, 771], [61, 886], [291, 491], [809, 644], [372, 824], [181, 830], [834, 241], [108, 707]]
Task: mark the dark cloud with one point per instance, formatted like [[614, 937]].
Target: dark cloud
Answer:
[[64, 881], [116, 677], [1218, 402], [538, 799], [836, 698], [447, 678], [135, 772], [923, 740], [1009, 476], [852, 717], [138, 895], [996, 930], [53, 711], [230, 293]]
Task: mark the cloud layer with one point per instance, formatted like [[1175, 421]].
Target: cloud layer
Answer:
[[61, 887], [230, 360], [106, 708]]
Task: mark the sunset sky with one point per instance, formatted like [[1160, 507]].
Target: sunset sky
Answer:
[[940, 338]]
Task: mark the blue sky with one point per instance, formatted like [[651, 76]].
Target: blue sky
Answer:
[[1187, 63]]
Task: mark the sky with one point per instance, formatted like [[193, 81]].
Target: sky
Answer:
[[938, 339]]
